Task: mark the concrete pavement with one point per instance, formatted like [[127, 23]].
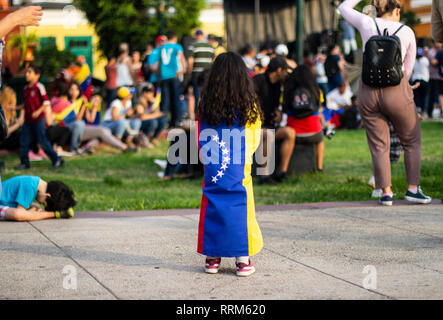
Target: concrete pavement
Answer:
[[312, 251]]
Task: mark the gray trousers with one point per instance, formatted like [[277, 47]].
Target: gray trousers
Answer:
[[104, 134], [395, 104]]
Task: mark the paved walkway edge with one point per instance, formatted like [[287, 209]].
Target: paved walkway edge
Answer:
[[283, 207]]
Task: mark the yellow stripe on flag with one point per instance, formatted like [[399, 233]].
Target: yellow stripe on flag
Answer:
[[252, 141], [83, 73]]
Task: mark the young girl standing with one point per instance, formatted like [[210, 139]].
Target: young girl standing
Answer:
[[229, 126]]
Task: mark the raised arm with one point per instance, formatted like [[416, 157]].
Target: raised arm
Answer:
[[91, 115]]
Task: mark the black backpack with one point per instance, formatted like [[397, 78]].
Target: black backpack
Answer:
[[331, 67], [301, 104], [382, 60]]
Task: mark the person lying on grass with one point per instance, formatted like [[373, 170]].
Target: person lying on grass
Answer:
[[19, 193]]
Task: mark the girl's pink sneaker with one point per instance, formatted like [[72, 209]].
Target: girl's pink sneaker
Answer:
[[212, 265], [245, 270]]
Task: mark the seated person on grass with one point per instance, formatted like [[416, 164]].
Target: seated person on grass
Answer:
[[351, 119], [72, 120], [18, 194], [14, 121], [63, 114], [120, 118], [94, 132], [148, 109], [338, 100], [58, 135]]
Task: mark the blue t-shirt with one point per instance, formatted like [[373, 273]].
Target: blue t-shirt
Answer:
[[20, 190], [169, 64], [348, 30], [154, 57]]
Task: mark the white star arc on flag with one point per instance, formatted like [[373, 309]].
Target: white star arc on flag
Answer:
[[226, 159]]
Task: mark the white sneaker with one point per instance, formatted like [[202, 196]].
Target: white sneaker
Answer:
[[418, 197], [377, 193], [161, 163], [436, 113], [65, 154]]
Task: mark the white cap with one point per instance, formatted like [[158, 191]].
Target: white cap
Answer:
[[282, 50], [264, 61]]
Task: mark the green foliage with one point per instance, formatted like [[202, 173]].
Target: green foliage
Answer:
[[21, 41], [409, 18], [52, 60], [362, 4], [128, 21]]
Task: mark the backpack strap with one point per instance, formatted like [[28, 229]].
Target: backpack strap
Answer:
[[398, 29], [378, 30]]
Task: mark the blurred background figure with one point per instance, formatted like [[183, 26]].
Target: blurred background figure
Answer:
[[420, 74], [348, 41]]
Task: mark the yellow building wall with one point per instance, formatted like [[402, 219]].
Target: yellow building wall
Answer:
[[216, 28], [60, 32]]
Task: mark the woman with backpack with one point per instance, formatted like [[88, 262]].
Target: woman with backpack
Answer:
[[308, 126], [385, 94]]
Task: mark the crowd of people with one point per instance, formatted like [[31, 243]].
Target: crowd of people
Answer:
[[148, 92], [261, 92], [145, 94]]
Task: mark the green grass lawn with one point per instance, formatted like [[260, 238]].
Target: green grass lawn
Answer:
[[110, 179]]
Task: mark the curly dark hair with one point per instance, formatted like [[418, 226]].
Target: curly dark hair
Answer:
[[62, 198], [229, 93], [301, 77]]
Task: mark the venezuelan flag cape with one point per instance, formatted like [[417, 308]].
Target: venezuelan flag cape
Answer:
[[69, 114], [228, 227], [84, 78]]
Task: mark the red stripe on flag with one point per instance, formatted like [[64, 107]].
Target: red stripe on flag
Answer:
[[204, 203], [201, 224]]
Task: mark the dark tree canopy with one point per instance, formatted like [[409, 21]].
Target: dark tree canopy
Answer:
[[127, 21]]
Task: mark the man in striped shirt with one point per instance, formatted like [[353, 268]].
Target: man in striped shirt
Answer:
[[202, 55]]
